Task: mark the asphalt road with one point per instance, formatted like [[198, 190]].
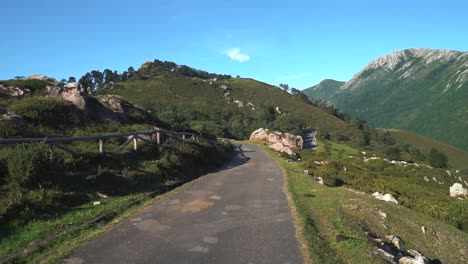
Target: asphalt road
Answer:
[[239, 214]]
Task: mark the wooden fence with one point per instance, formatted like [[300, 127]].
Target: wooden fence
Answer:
[[156, 135]]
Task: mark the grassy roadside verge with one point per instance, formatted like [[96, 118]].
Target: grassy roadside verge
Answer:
[[335, 223], [63, 217]]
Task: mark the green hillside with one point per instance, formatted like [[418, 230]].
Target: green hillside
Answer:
[[419, 90], [227, 107], [457, 157], [324, 90]]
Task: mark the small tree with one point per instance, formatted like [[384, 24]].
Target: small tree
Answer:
[[437, 159], [71, 79], [284, 86]]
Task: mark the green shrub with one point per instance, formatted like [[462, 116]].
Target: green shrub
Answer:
[[6, 130], [30, 166], [458, 214], [47, 111], [437, 159], [35, 86]]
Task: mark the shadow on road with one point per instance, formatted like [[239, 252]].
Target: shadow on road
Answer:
[[238, 159]]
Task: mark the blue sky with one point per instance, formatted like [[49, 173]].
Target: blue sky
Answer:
[[294, 42]]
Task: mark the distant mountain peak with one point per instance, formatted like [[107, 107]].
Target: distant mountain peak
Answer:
[[408, 63], [422, 90], [428, 56]]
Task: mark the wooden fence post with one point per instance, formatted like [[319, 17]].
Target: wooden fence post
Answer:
[[135, 144], [158, 138], [101, 149]]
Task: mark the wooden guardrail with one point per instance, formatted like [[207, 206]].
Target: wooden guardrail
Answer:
[[155, 135]]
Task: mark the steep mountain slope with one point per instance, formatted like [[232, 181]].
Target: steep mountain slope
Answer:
[[420, 90], [324, 90], [230, 107]]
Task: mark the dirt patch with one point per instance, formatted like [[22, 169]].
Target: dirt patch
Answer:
[[151, 225], [197, 205]]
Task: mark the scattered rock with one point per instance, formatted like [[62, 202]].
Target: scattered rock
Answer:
[[306, 172], [320, 180], [396, 241], [97, 203], [423, 229], [278, 110], [387, 197], [239, 103], [384, 255], [101, 195], [457, 190], [383, 215], [417, 258]]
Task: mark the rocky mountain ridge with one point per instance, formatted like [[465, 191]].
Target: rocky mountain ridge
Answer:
[[420, 90], [411, 62], [99, 108]]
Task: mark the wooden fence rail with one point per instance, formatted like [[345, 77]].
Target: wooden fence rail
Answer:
[[132, 136]]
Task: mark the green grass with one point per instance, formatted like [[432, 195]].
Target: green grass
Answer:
[[457, 158], [179, 99], [69, 207], [325, 213]]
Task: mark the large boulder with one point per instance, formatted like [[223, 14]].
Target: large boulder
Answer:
[[259, 134], [281, 148], [287, 139], [292, 141], [72, 85], [457, 190], [275, 137], [51, 81], [75, 97], [279, 141]]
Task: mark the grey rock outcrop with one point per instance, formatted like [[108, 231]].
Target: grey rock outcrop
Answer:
[[415, 258], [51, 81], [279, 141], [260, 134]]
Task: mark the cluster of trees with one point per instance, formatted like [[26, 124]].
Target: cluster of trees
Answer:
[[96, 79], [157, 67]]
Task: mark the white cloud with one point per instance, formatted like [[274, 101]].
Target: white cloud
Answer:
[[235, 55]]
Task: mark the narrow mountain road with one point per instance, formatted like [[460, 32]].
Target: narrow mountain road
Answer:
[[239, 214]]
